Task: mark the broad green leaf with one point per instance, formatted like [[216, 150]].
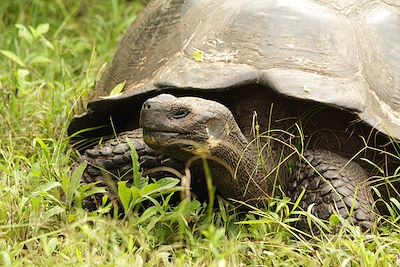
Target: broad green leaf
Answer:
[[148, 213], [334, 220], [167, 185], [198, 56], [75, 181], [135, 164], [47, 43], [135, 194], [39, 59], [51, 246], [35, 170], [116, 91], [166, 201], [153, 222], [33, 31], [185, 208], [42, 28], [24, 33], [168, 182], [92, 191], [53, 211], [149, 189], [124, 194], [46, 187], [21, 75], [13, 57]]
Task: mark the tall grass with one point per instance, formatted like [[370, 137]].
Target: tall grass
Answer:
[[51, 52]]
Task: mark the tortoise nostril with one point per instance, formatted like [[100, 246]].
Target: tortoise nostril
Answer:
[[146, 106]]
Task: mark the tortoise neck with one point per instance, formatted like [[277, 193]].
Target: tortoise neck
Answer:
[[240, 170]]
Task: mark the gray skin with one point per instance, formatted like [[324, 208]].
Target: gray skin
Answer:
[[186, 127]]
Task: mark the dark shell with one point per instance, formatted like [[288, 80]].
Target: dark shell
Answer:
[[344, 53]]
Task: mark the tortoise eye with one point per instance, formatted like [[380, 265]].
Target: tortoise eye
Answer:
[[180, 113]]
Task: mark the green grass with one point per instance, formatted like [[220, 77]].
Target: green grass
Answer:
[[51, 53]]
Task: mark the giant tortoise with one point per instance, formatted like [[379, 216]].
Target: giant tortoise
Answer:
[[278, 95]]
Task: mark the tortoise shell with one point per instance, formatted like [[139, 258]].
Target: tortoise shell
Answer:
[[338, 52]]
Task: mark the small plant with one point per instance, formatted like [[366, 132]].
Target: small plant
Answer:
[[132, 197]]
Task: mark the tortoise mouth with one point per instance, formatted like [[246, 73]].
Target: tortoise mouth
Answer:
[[160, 133], [158, 138], [172, 143]]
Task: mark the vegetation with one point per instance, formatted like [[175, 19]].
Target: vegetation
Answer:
[[50, 55]]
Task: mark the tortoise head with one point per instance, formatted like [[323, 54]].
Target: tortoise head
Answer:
[[185, 126]]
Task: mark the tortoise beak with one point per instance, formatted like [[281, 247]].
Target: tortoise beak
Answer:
[[154, 111]]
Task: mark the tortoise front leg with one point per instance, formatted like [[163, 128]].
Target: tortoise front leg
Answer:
[[333, 184], [111, 162]]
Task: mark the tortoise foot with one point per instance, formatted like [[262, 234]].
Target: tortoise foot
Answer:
[[111, 162], [334, 186]]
